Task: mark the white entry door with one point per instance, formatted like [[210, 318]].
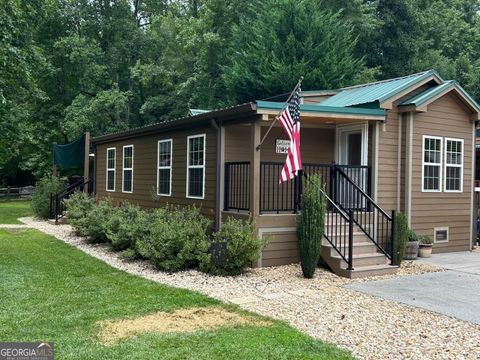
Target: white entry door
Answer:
[[352, 151]]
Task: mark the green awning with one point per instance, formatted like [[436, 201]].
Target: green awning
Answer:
[[69, 155]]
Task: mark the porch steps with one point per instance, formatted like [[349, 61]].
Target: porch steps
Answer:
[[367, 259]]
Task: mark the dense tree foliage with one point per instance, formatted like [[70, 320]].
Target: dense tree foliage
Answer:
[[69, 66]]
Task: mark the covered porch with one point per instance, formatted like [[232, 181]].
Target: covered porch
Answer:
[[330, 142]]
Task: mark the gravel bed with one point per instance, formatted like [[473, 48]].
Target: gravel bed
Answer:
[[370, 327]]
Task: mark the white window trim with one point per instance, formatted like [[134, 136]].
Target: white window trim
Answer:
[[124, 168], [196, 166], [440, 173], [453, 165], [114, 169], [165, 167], [435, 241]]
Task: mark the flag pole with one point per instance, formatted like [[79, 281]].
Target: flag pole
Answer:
[[299, 83]]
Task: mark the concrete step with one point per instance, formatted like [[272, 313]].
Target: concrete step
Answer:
[[362, 259], [357, 237], [360, 247], [366, 271]]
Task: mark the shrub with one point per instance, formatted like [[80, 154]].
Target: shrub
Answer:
[[79, 206], [41, 198], [99, 221], [402, 235], [130, 255], [242, 248], [176, 238], [127, 224], [310, 225], [412, 236], [425, 239]]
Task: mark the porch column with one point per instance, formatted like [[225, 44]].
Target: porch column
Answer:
[[255, 137]]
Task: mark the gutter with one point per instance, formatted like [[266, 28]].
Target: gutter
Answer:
[[227, 114], [218, 190]]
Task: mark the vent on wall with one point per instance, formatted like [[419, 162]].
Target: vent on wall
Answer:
[[440, 235]]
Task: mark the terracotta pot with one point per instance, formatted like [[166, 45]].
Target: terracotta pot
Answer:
[[411, 250], [425, 250]]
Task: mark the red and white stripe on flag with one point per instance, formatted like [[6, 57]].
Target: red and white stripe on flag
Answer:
[[293, 163]]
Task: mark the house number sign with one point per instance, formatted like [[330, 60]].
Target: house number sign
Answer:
[[282, 146]]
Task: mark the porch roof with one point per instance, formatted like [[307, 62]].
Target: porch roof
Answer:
[[322, 109]]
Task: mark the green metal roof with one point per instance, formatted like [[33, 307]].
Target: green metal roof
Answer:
[[428, 94], [272, 105], [377, 91]]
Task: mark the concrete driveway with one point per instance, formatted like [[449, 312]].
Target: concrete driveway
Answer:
[[454, 292]]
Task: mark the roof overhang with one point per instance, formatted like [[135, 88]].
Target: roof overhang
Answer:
[[225, 115], [420, 102], [324, 112]]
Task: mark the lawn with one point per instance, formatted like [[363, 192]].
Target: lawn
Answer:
[[10, 211], [53, 292]]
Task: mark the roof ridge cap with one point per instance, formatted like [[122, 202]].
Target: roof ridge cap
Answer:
[[387, 80]]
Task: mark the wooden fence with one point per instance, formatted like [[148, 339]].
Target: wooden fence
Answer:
[[25, 192]]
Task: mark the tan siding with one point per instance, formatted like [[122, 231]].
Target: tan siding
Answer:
[[387, 162], [145, 170], [445, 118]]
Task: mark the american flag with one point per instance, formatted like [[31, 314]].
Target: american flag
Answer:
[[290, 120]]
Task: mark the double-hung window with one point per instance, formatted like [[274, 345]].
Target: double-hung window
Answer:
[[453, 165], [164, 165], [432, 163], [127, 171], [111, 162], [196, 166]]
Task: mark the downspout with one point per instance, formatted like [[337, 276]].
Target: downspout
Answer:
[[218, 190], [94, 171]]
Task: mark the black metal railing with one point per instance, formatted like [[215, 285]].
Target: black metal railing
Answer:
[[338, 231], [57, 201], [366, 214], [276, 197], [237, 186]]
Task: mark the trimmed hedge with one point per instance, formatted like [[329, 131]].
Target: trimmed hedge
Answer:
[[172, 238], [176, 239]]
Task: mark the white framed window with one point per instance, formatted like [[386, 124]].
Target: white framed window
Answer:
[[440, 235], [111, 164], [432, 164], [164, 167], [196, 166], [453, 165], [127, 170]]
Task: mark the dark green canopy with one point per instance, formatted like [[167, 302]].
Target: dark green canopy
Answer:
[[69, 155]]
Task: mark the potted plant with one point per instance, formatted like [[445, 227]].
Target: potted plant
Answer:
[[411, 248], [426, 244]]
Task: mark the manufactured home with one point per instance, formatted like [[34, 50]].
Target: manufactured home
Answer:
[[399, 145]]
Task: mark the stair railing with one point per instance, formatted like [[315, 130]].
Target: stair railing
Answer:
[[338, 231], [57, 201], [365, 213]]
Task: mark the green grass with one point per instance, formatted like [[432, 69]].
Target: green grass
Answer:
[[53, 292], [10, 211]]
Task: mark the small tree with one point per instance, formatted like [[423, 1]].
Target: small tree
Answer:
[[310, 225]]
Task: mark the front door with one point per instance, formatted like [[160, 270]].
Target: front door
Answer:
[[352, 152]]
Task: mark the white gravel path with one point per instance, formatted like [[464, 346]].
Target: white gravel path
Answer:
[[370, 327]]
